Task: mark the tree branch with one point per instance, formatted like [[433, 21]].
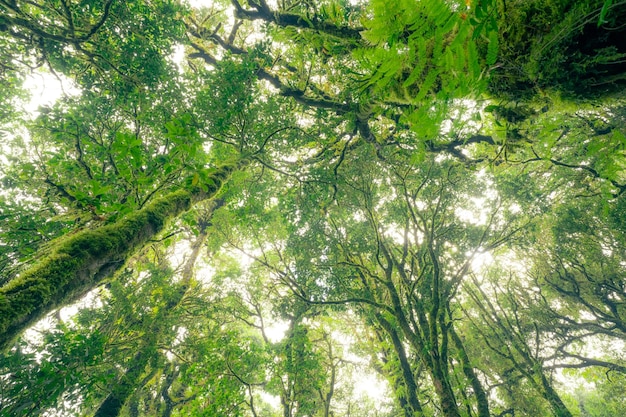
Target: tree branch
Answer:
[[284, 19]]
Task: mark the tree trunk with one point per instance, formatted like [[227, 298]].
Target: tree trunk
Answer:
[[412, 401], [113, 403], [444, 391], [433, 360], [558, 408], [127, 384], [481, 397], [80, 262]]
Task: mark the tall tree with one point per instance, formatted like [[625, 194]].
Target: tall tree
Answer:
[[370, 156]]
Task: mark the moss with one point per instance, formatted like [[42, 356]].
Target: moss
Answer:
[[128, 232], [557, 45], [76, 263], [70, 269], [37, 287]]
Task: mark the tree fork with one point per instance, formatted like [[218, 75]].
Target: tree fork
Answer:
[[80, 262]]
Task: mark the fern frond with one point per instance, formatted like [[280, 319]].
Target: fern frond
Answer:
[[492, 48]]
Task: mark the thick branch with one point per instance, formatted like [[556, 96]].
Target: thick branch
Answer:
[[80, 262], [453, 147], [283, 19]]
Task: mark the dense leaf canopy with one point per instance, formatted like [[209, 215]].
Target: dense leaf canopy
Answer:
[[313, 208]]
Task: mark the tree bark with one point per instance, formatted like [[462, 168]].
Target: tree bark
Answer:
[[481, 397], [412, 401], [80, 262]]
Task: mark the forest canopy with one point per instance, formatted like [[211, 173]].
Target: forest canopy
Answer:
[[307, 208]]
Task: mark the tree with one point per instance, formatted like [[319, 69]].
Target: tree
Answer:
[[509, 335], [368, 155]]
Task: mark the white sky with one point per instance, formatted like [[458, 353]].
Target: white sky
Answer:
[[46, 89]]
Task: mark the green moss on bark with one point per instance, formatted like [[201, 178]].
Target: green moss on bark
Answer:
[[73, 267], [77, 263]]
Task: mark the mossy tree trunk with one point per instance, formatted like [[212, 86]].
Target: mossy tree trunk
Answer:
[[147, 350], [482, 401], [78, 263], [409, 400]]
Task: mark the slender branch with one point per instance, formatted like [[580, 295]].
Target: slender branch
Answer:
[[98, 25], [595, 174], [586, 363]]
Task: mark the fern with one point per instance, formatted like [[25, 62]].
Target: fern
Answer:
[[425, 53], [492, 48], [473, 64], [426, 86], [605, 9]]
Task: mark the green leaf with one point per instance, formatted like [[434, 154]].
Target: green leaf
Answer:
[[605, 9], [492, 48], [429, 81]]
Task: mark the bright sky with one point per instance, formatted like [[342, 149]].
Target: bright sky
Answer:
[[46, 89]]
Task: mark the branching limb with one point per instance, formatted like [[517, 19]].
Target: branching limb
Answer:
[[284, 19]]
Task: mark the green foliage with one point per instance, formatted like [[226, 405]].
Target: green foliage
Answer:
[[604, 397], [424, 53], [54, 378], [573, 47], [97, 42], [115, 166], [382, 207], [298, 375]]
